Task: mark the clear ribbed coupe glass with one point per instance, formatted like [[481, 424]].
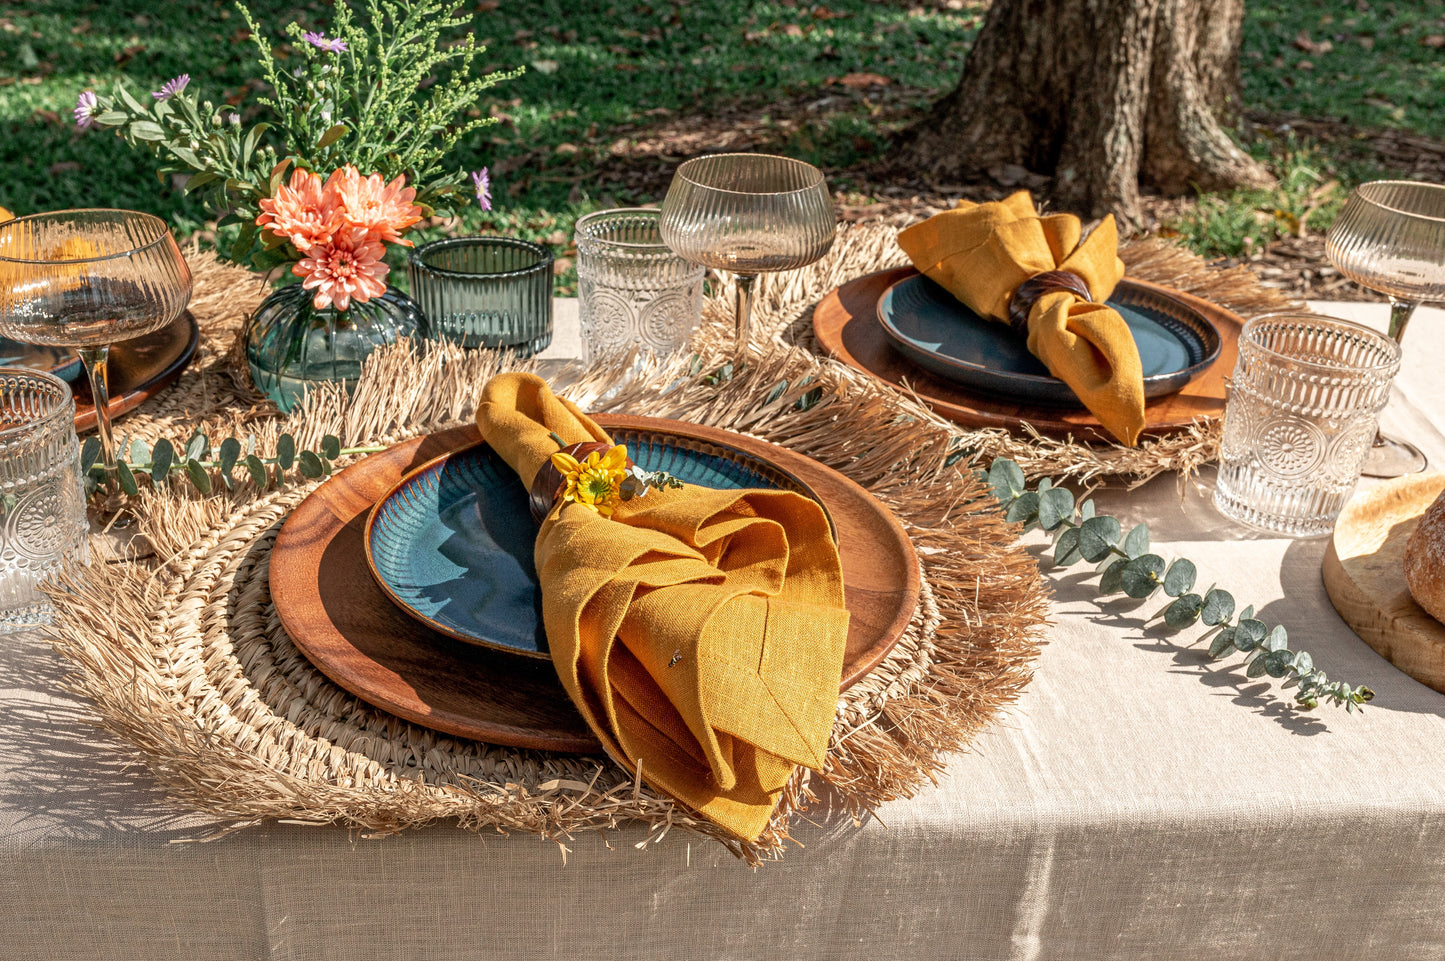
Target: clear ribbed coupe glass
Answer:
[[749, 214], [1390, 237], [86, 279]]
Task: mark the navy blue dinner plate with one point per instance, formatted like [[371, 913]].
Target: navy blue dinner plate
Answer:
[[934, 330], [452, 543]]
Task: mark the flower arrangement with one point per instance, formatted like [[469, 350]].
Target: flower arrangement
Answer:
[[605, 478], [358, 126]]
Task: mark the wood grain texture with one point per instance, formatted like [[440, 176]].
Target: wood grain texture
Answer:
[[339, 618], [846, 325], [139, 369], [1364, 576]]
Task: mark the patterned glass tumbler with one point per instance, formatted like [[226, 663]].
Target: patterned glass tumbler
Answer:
[[633, 290], [485, 292], [1299, 420], [42, 499]]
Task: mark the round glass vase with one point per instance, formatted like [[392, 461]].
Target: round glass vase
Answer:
[[292, 345]]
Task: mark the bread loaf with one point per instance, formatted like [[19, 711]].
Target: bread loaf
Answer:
[[1425, 560]]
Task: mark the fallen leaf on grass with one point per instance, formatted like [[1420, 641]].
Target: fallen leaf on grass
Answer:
[[860, 80], [1435, 41]]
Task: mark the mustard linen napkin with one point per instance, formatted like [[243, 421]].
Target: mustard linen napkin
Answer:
[[699, 632], [982, 252]]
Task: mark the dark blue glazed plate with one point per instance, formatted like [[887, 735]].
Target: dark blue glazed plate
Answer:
[[60, 361], [934, 330], [452, 543]]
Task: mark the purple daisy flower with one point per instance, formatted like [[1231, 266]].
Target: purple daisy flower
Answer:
[[323, 43], [172, 87], [86, 107], [483, 182]]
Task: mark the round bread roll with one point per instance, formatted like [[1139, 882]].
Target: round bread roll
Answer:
[[1425, 560]]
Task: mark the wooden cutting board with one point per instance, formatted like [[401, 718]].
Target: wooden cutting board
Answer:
[[1365, 576]]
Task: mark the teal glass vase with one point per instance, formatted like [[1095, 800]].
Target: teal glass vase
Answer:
[[292, 345]]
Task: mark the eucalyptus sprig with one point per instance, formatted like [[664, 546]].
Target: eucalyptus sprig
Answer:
[[1127, 567], [199, 458]]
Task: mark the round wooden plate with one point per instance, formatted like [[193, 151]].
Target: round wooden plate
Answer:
[[1364, 575], [847, 327], [340, 619], [139, 369]]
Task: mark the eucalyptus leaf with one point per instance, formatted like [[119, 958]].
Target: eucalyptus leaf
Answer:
[[1303, 663], [330, 447], [258, 471], [197, 447], [1248, 633], [162, 458], [230, 453], [1055, 506], [1257, 666], [1180, 578], [1223, 641], [1218, 606], [139, 453], [1066, 551], [1140, 576], [1184, 611], [1024, 508], [286, 451], [89, 454], [1112, 580], [1086, 509], [776, 392], [1097, 536], [199, 478], [1138, 540], [126, 478], [1005, 478], [311, 465], [1278, 639], [1277, 663]]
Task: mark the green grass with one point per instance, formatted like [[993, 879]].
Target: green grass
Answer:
[[605, 76]]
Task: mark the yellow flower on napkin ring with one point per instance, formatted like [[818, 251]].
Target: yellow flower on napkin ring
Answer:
[[595, 483]]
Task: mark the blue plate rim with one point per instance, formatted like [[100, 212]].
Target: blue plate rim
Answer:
[[1207, 337], [438, 462]]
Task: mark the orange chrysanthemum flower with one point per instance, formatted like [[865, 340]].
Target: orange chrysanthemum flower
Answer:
[[346, 269], [385, 209], [302, 211]]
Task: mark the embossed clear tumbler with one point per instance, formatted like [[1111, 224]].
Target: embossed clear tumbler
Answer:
[[42, 501], [1300, 419], [633, 291]]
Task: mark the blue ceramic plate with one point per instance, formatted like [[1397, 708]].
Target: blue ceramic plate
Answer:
[[60, 361], [929, 326], [452, 543]]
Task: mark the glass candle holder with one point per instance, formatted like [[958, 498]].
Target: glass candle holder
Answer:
[[1300, 419], [485, 292], [42, 498], [633, 291]]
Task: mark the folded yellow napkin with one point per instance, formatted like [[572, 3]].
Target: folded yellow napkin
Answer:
[[699, 632], [983, 253]]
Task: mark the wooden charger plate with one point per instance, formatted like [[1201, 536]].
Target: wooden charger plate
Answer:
[[846, 325], [1364, 574], [339, 618], [139, 369]]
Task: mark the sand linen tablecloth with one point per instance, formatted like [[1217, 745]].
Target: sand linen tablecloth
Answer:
[[1136, 803]]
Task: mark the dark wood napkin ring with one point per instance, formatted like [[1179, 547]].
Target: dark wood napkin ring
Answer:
[[1035, 287], [548, 485]]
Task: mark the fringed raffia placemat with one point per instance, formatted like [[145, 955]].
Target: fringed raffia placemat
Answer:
[[181, 651]]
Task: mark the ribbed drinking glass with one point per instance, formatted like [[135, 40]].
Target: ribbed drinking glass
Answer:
[[749, 214], [485, 292], [1390, 237], [1300, 420], [42, 501], [86, 279]]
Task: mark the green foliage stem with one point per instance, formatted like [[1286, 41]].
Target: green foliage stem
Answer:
[[1127, 566]]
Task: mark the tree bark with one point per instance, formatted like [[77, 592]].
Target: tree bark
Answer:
[[1095, 94]]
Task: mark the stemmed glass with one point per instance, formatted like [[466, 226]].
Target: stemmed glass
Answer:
[[748, 213], [86, 279], [1390, 237]]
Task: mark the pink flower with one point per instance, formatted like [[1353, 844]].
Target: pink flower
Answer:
[[383, 209], [172, 87], [302, 211], [86, 107], [346, 269]]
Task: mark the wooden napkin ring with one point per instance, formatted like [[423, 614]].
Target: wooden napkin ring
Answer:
[[1035, 287], [548, 485]]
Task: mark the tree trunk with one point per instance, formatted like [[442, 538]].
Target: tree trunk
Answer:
[[1096, 94]]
